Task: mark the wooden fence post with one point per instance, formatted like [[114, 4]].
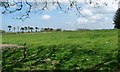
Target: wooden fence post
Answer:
[[25, 50]]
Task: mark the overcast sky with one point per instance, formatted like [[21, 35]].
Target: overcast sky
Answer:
[[93, 18]]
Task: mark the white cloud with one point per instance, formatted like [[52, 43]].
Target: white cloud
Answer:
[[52, 7], [46, 17], [86, 12], [81, 20], [96, 17]]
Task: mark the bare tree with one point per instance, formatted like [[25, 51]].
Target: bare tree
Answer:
[[31, 28], [18, 28], [28, 29], [25, 7], [37, 29], [25, 29], [9, 27], [22, 29], [14, 28]]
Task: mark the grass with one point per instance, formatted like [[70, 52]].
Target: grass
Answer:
[[78, 50]]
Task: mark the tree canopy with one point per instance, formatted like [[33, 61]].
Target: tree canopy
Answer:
[[25, 7], [117, 19]]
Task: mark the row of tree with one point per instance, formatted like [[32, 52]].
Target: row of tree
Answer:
[[31, 29]]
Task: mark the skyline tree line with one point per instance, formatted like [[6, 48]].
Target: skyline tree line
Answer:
[[31, 29]]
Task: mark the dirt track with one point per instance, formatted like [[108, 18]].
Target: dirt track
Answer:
[[10, 46]]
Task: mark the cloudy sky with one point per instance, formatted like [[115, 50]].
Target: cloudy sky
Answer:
[[92, 18]]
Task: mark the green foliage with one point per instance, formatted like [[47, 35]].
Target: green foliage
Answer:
[[78, 50], [117, 19]]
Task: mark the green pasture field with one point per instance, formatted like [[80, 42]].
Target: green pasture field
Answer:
[[92, 50]]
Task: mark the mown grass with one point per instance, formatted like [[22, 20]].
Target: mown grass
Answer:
[[78, 50]]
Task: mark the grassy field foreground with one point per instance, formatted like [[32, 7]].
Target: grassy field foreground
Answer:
[[78, 50]]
